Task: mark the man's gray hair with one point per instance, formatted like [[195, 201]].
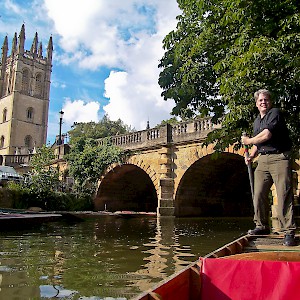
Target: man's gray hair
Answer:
[[262, 91]]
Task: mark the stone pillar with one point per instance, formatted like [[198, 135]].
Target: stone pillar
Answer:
[[166, 184]]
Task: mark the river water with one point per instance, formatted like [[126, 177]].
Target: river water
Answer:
[[106, 257]]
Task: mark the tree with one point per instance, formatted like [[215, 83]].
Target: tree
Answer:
[[88, 158], [92, 130], [222, 52], [171, 121], [44, 177]]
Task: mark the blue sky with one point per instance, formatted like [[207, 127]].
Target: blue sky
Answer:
[[105, 58]]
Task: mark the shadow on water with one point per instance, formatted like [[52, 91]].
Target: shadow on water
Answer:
[[106, 256]]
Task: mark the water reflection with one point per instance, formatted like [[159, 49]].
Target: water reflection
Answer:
[[105, 258]]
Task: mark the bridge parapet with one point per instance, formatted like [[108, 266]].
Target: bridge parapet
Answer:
[[19, 161], [191, 127], [150, 138], [165, 134], [189, 131]]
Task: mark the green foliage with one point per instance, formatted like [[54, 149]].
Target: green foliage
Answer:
[[23, 198], [40, 184], [43, 177], [171, 121], [222, 52], [41, 187], [91, 130], [87, 160]]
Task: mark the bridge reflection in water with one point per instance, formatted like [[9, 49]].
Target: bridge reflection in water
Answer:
[[178, 242], [107, 256]]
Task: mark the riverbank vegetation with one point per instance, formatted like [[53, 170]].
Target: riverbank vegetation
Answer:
[[91, 152], [43, 187]]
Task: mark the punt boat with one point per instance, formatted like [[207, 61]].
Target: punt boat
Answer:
[[23, 220], [251, 267], [133, 214]]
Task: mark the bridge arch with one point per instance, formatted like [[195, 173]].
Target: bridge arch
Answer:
[[126, 187], [214, 187]]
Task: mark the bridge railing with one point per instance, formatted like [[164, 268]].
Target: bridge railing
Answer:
[[142, 139], [192, 130], [18, 161], [13, 160], [178, 133]]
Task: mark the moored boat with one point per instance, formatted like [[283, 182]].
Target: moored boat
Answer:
[[251, 267], [133, 214], [12, 221]]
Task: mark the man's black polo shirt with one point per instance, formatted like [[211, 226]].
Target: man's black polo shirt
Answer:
[[274, 121]]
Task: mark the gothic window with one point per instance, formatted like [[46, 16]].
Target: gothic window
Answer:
[[38, 85], [30, 114], [2, 141], [25, 81], [4, 116], [28, 141]]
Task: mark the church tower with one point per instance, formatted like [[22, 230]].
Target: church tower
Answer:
[[24, 95]]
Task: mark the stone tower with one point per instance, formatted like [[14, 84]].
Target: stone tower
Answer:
[[24, 95]]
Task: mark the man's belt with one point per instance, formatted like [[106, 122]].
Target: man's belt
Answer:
[[270, 152]]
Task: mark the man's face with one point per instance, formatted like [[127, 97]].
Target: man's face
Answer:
[[263, 103]]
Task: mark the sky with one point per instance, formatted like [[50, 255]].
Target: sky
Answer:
[[105, 59]]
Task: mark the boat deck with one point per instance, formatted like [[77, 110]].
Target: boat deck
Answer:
[[270, 243], [255, 243]]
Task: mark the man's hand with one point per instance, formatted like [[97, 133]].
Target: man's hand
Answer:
[[245, 140], [248, 141], [248, 159]]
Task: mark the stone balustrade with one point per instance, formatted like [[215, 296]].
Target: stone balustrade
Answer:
[[16, 160], [19, 161], [141, 139], [156, 137]]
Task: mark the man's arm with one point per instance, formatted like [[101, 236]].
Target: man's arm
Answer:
[[258, 139]]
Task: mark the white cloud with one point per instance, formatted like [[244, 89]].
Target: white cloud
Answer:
[[122, 35], [87, 35], [135, 95], [139, 99], [98, 36], [99, 32], [80, 111], [135, 100]]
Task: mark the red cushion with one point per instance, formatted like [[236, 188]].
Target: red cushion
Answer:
[[224, 279]]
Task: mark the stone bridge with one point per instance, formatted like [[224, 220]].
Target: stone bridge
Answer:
[[173, 173]]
